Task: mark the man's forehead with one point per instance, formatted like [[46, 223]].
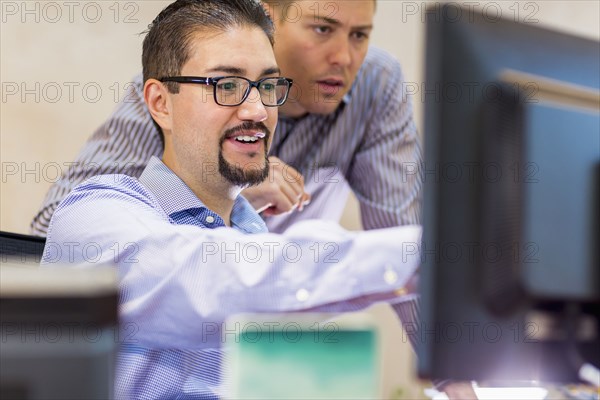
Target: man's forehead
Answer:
[[242, 70], [246, 67], [335, 12], [228, 38], [239, 50]]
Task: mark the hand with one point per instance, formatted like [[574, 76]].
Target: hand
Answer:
[[281, 192], [460, 391]]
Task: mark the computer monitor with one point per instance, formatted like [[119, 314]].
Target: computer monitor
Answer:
[[59, 331], [510, 272], [21, 248]]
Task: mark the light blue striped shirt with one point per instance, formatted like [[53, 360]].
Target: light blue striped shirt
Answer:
[[179, 281]]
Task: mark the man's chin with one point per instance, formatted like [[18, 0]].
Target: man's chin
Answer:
[[248, 174]]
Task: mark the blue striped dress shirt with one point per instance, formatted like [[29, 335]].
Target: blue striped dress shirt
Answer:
[[182, 273]]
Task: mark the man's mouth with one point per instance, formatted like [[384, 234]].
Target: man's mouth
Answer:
[[248, 138], [331, 86]]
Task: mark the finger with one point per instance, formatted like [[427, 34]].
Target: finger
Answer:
[[263, 208], [291, 193], [284, 203], [270, 212], [293, 178], [279, 208], [306, 197], [281, 202], [304, 200]]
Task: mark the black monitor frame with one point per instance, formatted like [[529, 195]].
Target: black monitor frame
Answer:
[[21, 248], [484, 316]]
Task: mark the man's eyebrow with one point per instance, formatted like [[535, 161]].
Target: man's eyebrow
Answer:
[[271, 71], [333, 21], [227, 69], [363, 27], [242, 72]]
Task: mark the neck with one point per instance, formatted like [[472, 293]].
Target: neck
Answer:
[[213, 190], [220, 202]]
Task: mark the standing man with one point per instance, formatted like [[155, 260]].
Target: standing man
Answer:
[[212, 84]]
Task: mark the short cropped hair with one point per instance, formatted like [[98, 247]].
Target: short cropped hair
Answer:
[[167, 44]]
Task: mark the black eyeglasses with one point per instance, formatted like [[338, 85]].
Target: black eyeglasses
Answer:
[[234, 90]]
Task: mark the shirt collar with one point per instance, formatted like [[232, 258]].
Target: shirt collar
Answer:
[[174, 196]]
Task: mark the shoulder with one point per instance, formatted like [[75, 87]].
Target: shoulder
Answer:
[[102, 211], [379, 61], [113, 188], [379, 80], [101, 206]]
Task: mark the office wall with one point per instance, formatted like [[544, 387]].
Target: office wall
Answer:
[[64, 66]]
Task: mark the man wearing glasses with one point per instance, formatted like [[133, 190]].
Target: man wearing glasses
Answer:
[[190, 251]]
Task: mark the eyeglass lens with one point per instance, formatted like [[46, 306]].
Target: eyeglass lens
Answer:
[[233, 91]]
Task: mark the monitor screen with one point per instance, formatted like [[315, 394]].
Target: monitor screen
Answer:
[[509, 279]]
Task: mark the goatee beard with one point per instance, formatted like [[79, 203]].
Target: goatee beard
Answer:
[[237, 175]]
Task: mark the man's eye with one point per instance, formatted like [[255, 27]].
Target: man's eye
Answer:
[[360, 35], [229, 86], [322, 29], [268, 87]]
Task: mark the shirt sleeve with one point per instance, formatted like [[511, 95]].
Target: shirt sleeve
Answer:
[[385, 173], [122, 144], [192, 278]]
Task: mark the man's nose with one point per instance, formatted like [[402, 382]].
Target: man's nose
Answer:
[[252, 108], [341, 52]]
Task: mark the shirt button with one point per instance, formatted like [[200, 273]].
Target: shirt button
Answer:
[[390, 277], [210, 219], [302, 295]]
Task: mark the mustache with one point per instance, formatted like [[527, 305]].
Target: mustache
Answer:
[[247, 126]]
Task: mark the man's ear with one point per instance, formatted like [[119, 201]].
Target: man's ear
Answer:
[[158, 102]]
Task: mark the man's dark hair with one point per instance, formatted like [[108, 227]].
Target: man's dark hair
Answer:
[[167, 44]]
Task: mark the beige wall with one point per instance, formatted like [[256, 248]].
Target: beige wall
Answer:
[[80, 47], [64, 66]]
